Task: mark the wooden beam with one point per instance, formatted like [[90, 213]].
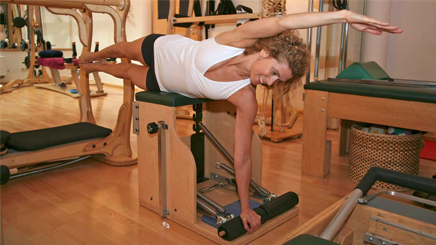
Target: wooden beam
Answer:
[[67, 3], [46, 3]]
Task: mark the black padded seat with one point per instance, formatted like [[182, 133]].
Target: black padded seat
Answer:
[[168, 99], [390, 92], [43, 138], [4, 137], [306, 239]]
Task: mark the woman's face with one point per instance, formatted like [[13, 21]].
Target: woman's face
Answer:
[[266, 71]]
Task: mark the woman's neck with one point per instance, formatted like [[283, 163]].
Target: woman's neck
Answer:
[[243, 63]]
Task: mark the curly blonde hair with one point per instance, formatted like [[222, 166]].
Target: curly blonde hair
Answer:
[[285, 47]]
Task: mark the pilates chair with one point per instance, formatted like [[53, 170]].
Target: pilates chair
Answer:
[[177, 175]]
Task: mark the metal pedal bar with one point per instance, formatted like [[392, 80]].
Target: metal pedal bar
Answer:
[[262, 191]]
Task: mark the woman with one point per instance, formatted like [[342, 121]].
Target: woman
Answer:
[[229, 66]]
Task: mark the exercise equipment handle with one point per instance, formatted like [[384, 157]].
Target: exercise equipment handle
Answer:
[[410, 181], [235, 228]]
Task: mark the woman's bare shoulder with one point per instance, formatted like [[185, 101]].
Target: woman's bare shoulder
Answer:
[[245, 98]]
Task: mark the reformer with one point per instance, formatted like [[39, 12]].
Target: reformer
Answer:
[[378, 218], [178, 175], [84, 138]]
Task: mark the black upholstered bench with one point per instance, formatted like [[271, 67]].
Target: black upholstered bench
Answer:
[[168, 99], [306, 239], [397, 106]]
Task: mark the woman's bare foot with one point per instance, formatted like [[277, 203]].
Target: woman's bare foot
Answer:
[[88, 67], [86, 57]]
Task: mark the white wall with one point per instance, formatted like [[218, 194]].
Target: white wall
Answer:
[[410, 55]]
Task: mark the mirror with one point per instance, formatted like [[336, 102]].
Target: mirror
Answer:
[[55, 29]]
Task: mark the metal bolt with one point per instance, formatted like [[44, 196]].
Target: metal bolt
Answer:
[[322, 110], [370, 238], [323, 98], [384, 243]]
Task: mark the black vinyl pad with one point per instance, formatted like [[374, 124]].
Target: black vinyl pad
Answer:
[[43, 138], [4, 137]]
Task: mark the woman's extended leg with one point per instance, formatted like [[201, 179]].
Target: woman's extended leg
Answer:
[[129, 50], [135, 73]]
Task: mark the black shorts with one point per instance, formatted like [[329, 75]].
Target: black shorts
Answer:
[[148, 55]]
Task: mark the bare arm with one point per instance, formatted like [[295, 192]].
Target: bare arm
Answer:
[[246, 105], [247, 34]]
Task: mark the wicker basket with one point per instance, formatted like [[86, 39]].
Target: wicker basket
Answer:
[[395, 152]]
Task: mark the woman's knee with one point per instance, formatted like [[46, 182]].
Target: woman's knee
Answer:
[[133, 50]]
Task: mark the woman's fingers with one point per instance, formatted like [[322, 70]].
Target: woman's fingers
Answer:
[[376, 30]]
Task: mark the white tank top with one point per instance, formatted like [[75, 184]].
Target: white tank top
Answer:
[[180, 65]]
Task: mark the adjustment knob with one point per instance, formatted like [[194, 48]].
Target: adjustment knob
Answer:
[[152, 128]]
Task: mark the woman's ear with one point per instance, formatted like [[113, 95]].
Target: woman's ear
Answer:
[[264, 53]]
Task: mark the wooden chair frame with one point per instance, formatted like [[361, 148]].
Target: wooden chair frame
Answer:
[[320, 105], [180, 175]]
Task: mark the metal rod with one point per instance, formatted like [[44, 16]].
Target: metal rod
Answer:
[[336, 223], [49, 168], [341, 53], [215, 142], [318, 43], [272, 114], [214, 204], [346, 45], [226, 154], [257, 187], [162, 168], [309, 43], [397, 194], [206, 207]]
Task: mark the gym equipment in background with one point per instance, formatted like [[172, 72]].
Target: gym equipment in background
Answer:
[[378, 218], [370, 99], [55, 61], [36, 74], [85, 138]]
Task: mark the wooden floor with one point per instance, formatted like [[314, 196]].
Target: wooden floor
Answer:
[[93, 203]]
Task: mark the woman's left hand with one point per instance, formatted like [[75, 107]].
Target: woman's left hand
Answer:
[[367, 24]]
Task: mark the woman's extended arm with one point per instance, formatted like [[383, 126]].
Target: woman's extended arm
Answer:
[[248, 33], [246, 106]]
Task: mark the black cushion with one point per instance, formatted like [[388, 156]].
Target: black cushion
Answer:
[[390, 92], [51, 54], [4, 137], [306, 239], [168, 99], [43, 138]]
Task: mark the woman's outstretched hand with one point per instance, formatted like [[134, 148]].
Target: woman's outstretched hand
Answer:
[[251, 220], [366, 24]]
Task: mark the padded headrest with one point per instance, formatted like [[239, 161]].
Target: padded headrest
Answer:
[[50, 54]]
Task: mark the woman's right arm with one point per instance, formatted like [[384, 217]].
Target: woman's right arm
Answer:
[[247, 34]]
